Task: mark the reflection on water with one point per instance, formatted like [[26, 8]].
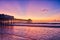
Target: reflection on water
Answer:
[[29, 33]]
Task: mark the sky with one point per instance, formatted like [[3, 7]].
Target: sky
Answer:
[[31, 9]]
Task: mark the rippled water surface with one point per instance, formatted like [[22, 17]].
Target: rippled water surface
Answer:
[[29, 33]]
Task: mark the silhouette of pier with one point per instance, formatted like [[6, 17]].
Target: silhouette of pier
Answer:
[[8, 19]]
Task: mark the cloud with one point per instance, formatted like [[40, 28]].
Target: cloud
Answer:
[[44, 10]]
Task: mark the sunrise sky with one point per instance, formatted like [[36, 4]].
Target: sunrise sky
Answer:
[[33, 9]]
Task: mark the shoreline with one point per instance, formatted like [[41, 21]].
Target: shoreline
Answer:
[[35, 25]]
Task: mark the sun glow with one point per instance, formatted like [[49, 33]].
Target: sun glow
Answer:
[[35, 10]]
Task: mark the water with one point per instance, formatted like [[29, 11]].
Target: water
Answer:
[[29, 33]]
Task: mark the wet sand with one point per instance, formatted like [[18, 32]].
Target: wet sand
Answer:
[[12, 37]]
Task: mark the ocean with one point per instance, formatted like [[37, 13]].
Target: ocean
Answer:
[[29, 33]]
